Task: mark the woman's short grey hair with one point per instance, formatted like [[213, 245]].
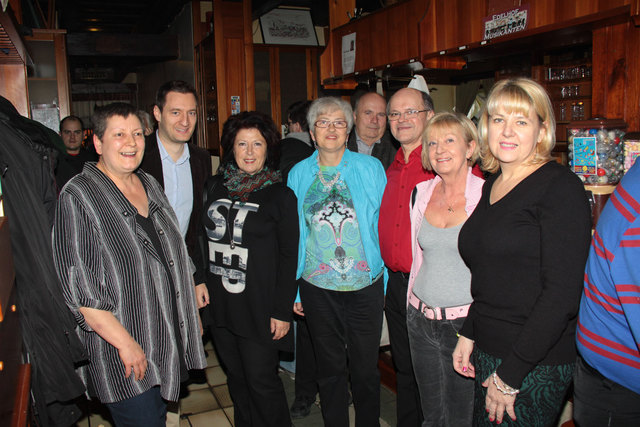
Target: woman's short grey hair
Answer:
[[327, 105]]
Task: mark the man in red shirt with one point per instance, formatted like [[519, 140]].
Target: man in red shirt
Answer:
[[408, 112]]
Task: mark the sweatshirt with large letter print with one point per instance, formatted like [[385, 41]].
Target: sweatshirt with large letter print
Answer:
[[251, 251]]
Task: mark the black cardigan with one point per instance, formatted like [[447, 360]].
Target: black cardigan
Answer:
[[254, 278]]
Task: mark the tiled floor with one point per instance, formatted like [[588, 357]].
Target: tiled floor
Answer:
[[209, 404]]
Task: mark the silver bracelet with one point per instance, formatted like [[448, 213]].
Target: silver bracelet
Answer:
[[506, 390]]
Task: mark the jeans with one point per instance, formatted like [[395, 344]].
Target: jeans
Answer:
[[600, 402], [345, 331], [446, 396], [146, 409], [408, 410]]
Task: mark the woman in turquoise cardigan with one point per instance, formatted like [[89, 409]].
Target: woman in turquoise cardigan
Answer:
[[343, 276]]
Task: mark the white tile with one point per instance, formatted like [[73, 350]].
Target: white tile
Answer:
[[198, 401], [215, 418], [215, 376]]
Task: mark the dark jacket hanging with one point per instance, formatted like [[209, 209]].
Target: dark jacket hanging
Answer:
[[26, 166]]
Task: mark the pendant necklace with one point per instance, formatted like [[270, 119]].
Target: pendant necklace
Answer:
[[446, 202]]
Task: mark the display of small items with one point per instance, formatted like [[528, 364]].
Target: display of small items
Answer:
[[631, 149], [597, 155]]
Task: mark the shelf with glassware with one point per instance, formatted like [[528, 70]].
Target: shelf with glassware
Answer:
[[570, 91], [569, 87]]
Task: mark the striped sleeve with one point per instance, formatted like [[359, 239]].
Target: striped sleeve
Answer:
[[76, 252]]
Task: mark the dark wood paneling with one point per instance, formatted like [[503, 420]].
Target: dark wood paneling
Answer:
[[632, 97], [609, 64], [312, 72], [385, 37], [450, 24], [249, 80]]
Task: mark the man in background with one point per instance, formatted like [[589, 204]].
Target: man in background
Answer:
[[369, 135], [297, 145], [71, 164]]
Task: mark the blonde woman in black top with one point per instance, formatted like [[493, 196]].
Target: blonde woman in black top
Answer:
[[526, 245]]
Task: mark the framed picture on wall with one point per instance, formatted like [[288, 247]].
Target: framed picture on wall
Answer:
[[288, 26]]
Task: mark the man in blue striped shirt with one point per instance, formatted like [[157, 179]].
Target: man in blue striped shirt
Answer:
[[607, 378]]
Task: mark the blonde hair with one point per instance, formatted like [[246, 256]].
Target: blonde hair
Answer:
[[451, 121], [518, 96]]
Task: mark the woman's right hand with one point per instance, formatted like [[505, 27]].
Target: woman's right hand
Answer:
[[133, 359], [202, 295], [297, 308], [461, 356]]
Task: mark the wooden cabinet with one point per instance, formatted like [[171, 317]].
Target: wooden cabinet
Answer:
[[452, 27], [47, 74], [223, 62], [384, 38], [34, 69]]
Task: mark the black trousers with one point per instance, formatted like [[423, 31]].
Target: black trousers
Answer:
[[345, 330], [306, 383], [252, 376], [408, 410], [598, 401]]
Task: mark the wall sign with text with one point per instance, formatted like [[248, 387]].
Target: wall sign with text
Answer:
[[507, 22]]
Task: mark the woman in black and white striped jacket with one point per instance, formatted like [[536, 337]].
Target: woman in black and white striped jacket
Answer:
[[126, 276]]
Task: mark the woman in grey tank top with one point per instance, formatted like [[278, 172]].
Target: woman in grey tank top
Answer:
[[439, 284]]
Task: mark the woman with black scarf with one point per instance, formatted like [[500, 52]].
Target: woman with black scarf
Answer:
[[249, 238]]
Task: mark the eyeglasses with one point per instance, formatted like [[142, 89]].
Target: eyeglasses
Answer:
[[409, 114], [338, 124]]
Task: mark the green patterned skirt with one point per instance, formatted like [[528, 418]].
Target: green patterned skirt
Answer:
[[541, 396]]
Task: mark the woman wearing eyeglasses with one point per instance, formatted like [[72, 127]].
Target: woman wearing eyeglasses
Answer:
[[342, 287]]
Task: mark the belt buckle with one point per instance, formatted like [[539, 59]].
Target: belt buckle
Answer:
[[424, 308]]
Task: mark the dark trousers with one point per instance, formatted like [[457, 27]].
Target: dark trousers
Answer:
[[146, 409], [306, 383], [598, 401], [252, 376], [409, 413], [345, 330]]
